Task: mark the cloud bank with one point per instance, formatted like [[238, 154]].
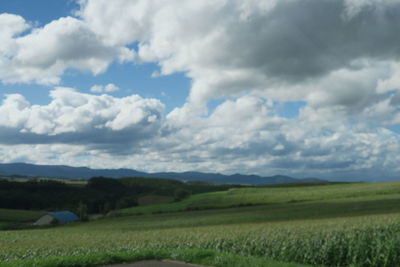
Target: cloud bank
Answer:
[[75, 118], [241, 135]]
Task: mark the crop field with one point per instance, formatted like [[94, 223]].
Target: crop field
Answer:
[[354, 230], [270, 195], [14, 218], [19, 215]]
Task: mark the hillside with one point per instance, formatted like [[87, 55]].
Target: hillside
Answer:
[[59, 171], [237, 197]]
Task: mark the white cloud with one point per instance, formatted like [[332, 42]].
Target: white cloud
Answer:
[[76, 118], [241, 135], [12, 25], [231, 47], [45, 53], [354, 7], [244, 135], [104, 88], [278, 48]]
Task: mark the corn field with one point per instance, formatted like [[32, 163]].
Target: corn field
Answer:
[[356, 241]]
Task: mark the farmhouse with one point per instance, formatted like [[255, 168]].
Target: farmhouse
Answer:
[[57, 217]]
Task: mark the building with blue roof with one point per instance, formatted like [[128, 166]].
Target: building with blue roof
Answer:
[[57, 217]]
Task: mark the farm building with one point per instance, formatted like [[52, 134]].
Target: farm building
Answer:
[[57, 217]]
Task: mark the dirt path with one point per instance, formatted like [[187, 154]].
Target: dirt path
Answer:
[[153, 263]]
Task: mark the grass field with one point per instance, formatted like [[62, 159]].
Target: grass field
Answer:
[[11, 219], [19, 215], [359, 228]]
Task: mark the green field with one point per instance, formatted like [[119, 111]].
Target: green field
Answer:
[[10, 219], [332, 225], [271, 195], [19, 215]]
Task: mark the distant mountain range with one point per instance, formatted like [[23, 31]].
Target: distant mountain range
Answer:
[[67, 172]]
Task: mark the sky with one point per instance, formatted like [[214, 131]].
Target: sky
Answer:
[[307, 88]]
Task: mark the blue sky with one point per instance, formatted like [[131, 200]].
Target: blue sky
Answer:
[[40, 11], [131, 78], [37, 12], [244, 86]]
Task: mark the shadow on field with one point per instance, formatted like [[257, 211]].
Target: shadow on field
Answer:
[[310, 210]]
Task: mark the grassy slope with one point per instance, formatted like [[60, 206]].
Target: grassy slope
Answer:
[[9, 215], [13, 219], [270, 195], [341, 226]]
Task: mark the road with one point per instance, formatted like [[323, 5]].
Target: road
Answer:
[[153, 263]]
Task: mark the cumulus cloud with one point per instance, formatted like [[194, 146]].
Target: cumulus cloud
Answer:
[[275, 48], [76, 118], [245, 135], [12, 24], [340, 57], [10, 27], [43, 54], [229, 47], [104, 88]]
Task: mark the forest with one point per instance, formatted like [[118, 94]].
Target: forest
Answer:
[[98, 195]]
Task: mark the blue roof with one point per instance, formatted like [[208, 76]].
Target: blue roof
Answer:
[[64, 216]]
